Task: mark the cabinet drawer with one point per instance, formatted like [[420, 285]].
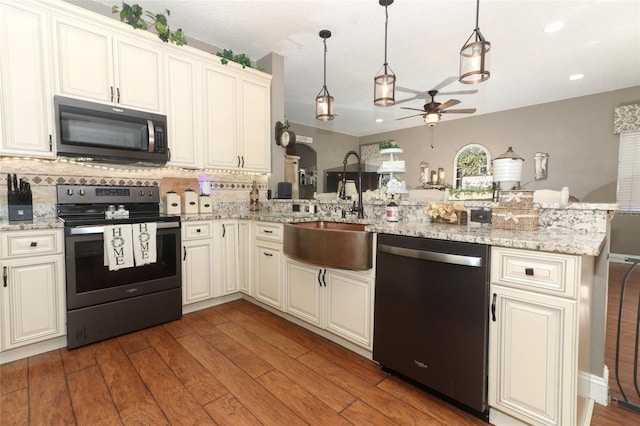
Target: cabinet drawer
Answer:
[[550, 273], [30, 243], [196, 230], [269, 231]]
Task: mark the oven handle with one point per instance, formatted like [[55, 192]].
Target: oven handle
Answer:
[[455, 259], [82, 230]]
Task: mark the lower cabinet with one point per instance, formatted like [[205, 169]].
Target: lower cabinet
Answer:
[[245, 257], [336, 300], [33, 287], [268, 268], [538, 332], [197, 261], [226, 256]]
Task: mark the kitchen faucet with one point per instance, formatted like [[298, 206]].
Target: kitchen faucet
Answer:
[[359, 208]]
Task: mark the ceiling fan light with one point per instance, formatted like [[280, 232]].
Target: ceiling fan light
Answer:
[[385, 88], [432, 118]]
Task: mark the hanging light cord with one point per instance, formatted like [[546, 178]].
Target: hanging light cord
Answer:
[[386, 24], [476, 31], [324, 40]]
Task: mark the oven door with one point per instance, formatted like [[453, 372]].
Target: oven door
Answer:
[[89, 281]]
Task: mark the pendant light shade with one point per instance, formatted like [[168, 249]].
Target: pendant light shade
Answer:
[[474, 56], [384, 88], [324, 101]]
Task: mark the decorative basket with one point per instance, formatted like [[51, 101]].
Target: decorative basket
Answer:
[[516, 199], [515, 219], [461, 219]]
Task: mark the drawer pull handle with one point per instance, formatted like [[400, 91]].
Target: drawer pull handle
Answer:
[[268, 254], [34, 244], [268, 231], [493, 307], [528, 271]]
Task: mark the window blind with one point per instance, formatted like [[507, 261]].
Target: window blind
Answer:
[[629, 171]]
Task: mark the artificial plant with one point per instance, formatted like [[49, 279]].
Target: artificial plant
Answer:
[[132, 15]]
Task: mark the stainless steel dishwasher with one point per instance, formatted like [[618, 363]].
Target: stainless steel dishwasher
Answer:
[[431, 316]]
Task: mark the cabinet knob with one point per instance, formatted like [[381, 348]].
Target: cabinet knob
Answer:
[[528, 271], [34, 244], [198, 230]]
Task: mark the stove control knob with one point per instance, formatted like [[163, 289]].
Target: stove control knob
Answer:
[[81, 192], [141, 192], [69, 192], [150, 192]]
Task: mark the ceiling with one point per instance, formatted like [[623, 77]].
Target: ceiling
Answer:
[[600, 39]]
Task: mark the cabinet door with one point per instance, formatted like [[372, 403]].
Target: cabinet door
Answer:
[[244, 257], [348, 306], [33, 307], [255, 141], [532, 355], [269, 282], [221, 119], [229, 255], [138, 74], [184, 110], [25, 88], [84, 61], [197, 278], [303, 285]]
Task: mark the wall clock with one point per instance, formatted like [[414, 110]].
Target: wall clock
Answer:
[[284, 136]]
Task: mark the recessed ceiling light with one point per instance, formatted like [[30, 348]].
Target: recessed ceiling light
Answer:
[[576, 77], [553, 27], [379, 120]]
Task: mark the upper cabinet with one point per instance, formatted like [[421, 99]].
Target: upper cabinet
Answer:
[[237, 119], [101, 64], [26, 98]]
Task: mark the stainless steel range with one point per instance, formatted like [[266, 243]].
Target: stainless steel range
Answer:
[[103, 302]]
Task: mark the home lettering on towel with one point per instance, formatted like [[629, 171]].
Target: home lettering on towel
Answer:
[[118, 247], [144, 243]]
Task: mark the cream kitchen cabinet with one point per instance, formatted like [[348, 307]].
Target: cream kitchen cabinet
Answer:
[[197, 261], [26, 106], [269, 262], [245, 255], [226, 255], [184, 107], [33, 287], [100, 63], [237, 119], [538, 334], [336, 300]]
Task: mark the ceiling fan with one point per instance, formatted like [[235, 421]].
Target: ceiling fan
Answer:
[[432, 111]]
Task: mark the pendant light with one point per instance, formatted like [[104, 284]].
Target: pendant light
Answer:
[[384, 88], [474, 56], [324, 101]]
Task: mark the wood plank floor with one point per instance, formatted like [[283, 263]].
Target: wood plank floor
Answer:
[[234, 364]]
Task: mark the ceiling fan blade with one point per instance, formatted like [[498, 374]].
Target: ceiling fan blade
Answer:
[[449, 103], [413, 109], [459, 92], [444, 83], [407, 90], [460, 111], [402, 118]]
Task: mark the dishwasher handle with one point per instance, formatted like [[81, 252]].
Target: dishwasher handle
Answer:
[[455, 259]]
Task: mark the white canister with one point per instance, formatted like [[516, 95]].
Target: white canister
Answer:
[[205, 205], [189, 202], [172, 203]]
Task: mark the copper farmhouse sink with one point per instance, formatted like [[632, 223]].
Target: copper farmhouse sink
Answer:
[[330, 244]]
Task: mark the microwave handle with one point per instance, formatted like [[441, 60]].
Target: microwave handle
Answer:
[[152, 136]]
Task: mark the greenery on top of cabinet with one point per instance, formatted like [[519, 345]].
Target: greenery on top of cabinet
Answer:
[[132, 15], [242, 59]]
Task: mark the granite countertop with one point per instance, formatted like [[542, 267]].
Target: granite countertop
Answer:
[[37, 223], [550, 240]]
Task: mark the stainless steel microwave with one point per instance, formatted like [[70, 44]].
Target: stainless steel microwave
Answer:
[[109, 133]]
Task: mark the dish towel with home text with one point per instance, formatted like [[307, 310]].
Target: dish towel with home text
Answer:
[[144, 243], [118, 247]]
